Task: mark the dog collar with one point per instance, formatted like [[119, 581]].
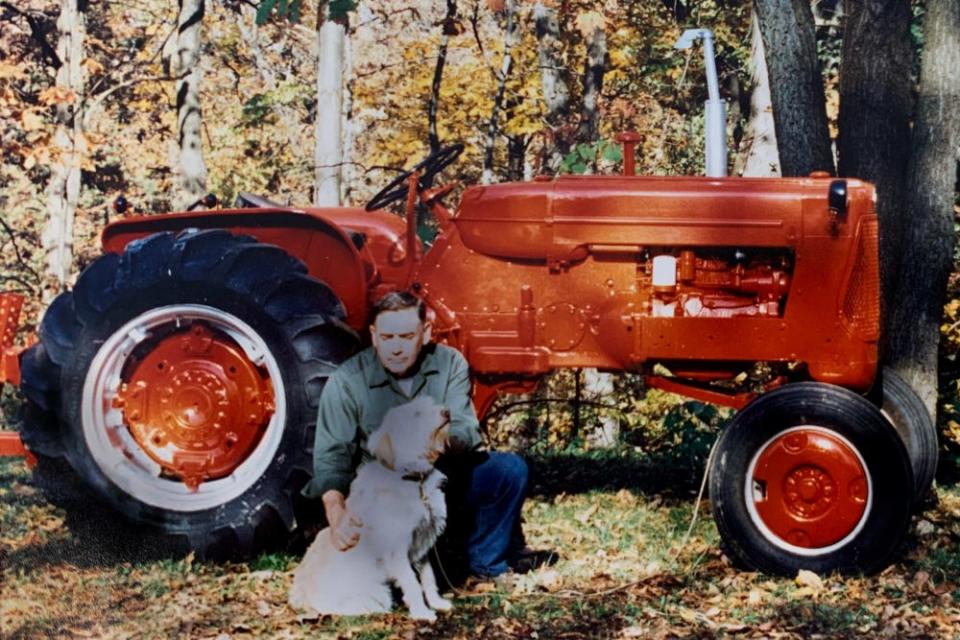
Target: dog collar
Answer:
[[417, 477]]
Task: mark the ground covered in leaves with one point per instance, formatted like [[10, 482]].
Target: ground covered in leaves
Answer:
[[631, 567]]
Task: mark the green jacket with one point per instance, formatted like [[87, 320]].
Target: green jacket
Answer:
[[361, 391]]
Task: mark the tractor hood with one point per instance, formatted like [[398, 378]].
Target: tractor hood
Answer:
[[566, 218]]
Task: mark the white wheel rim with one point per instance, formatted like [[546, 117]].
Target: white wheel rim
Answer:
[[774, 539], [114, 449]]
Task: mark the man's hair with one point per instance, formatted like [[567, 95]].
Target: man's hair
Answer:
[[398, 301]]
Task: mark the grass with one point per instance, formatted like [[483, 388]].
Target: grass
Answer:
[[626, 570]]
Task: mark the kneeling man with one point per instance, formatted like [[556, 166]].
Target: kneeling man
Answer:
[[485, 491]]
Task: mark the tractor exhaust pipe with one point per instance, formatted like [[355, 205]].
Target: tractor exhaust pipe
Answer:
[[715, 112]]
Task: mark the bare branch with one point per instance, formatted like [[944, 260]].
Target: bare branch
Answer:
[[16, 250], [474, 23]]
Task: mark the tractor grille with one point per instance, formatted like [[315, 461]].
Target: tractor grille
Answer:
[[861, 303]]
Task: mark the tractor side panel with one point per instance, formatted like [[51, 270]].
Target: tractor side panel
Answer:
[[326, 248], [771, 277]]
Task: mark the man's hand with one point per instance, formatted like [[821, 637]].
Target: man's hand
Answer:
[[344, 526]]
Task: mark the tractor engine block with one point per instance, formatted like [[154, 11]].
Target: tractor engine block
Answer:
[[674, 284]]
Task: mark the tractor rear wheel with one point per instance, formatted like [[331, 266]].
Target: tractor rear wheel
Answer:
[[180, 382], [811, 476]]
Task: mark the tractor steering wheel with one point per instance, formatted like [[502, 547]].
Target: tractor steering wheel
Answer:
[[429, 167]]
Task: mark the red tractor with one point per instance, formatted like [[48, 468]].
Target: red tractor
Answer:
[[178, 381]]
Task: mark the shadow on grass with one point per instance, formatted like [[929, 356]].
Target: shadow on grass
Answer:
[[96, 536], [93, 537], [612, 470], [948, 470]]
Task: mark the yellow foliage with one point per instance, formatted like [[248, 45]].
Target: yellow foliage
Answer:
[[10, 71], [31, 120], [92, 66], [620, 58], [590, 21], [57, 95]]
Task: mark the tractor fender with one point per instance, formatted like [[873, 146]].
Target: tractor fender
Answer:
[[328, 249]]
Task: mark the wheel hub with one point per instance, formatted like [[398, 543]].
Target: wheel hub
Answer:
[[809, 487], [196, 404]]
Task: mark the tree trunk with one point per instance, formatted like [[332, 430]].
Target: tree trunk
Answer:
[[349, 125], [796, 86], [598, 388], [875, 104], [327, 155], [758, 156], [594, 68], [917, 300], [448, 27], [64, 188], [186, 65], [510, 41], [556, 94], [516, 157]]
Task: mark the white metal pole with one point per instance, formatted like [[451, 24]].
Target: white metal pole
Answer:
[[715, 112]]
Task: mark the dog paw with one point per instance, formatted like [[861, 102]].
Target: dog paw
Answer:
[[440, 604], [425, 614]]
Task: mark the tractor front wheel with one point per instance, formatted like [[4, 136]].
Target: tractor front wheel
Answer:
[[811, 476], [183, 379]]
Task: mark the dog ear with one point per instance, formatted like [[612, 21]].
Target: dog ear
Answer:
[[383, 450]]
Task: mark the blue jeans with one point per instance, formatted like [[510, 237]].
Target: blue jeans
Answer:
[[485, 492]]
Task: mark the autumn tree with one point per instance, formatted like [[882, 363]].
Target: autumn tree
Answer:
[[914, 170], [511, 39], [931, 179], [796, 87], [185, 65], [553, 77], [874, 123], [328, 126], [69, 143], [758, 156], [593, 29]]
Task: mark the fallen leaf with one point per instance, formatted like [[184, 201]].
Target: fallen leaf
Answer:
[[485, 587], [584, 517], [804, 592], [262, 575], [550, 580], [944, 588], [263, 608], [925, 528], [920, 581], [688, 616], [809, 579]]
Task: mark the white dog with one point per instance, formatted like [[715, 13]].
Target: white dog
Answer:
[[399, 501]]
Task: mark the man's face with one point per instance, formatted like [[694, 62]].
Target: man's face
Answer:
[[398, 337]]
